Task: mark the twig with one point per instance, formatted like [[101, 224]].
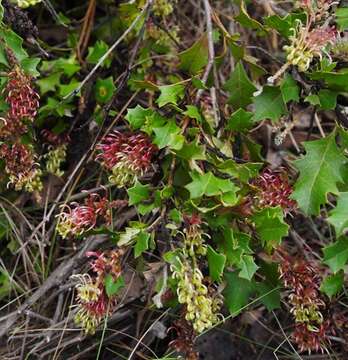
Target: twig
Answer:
[[112, 48]]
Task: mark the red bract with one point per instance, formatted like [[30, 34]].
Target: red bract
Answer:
[[274, 190], [20, 95], [126, 155]]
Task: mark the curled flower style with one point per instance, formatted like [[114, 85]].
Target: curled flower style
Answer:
[[20, 95], [303, 280], [194, 236], [307, 44], [12, 128], [77, 219], [127, 155], [201, 307], [27, 3], [162, 8], [273, 190], [54, 160], [92, 300], [21, 167]]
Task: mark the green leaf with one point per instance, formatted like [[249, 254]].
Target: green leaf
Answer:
[[339, 215], [191, 151], [289, 89], [270, 226], [29, 65], [240, 120], [342, 18], [237, 292], [142, 243], [248, 267], [313, 99], [98, 51], [216, 264], [137, 116], [193, 113], [113, 287], [195, 58], [138, 193], [246, 21], [128, 236], [269, 104], [208, 184], [104, 89], [171, 94], [333, 284], [320, 171], [336, 254], [239, 86], [328, 99], [169, 135], [49, 83]]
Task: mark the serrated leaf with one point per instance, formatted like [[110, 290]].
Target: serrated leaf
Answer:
[[191, 151], [332, 284], [170, 94], [169, 135], [195, 58], [320, 171], [269, 104], [142, 243], [216, 264], [247, 267], [239, 86], [240, 120], [289, 88], [193, 113], [237, 292], [96, 52], [209, 185], [328, 99], [49, 83], [138, 193], [270, 225], [339, 215], [113, 287], [336, 254], [137, 116]]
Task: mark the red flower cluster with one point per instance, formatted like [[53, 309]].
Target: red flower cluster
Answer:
[[23, 103], [20, 166], [93, 302], [319, 37], [127, 155], [20, 95], [77, 219], [274, 190], [303, 280]]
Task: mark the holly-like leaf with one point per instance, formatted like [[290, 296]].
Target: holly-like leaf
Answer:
[[289, 89], [113, 287], [333, 284], [248, 267], [138, 193], [137, 116], [328, 99], [195, 58], [239, 86], [208, 184], [142, 243], [336, 255], [193, 113], [240, 120], [216, 263], [270, 226], [49, 83], [320, 171], [237, 292], [269, 104], [169, 135], [96, 52], [339, 215], [170, 94]]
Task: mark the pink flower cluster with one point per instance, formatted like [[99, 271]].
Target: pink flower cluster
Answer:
[[93, 302], [127, 155], [274, 190], [302, 279], [75, 219]]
